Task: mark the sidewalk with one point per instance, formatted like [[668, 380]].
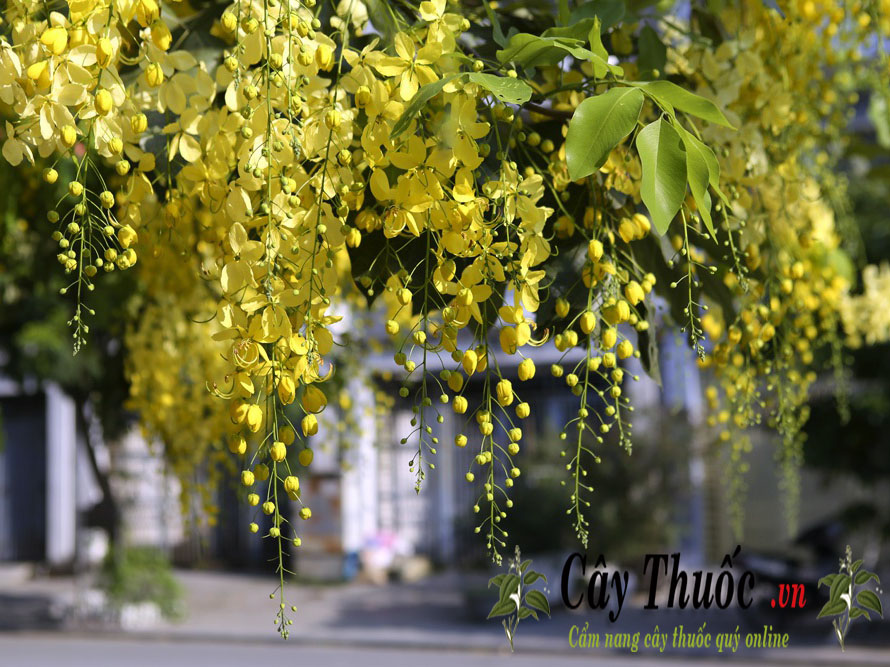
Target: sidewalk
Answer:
[[431, 615]]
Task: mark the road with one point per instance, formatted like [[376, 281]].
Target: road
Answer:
[[45, 650]]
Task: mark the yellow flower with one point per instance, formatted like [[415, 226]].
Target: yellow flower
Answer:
[[634, 293], [291, 484], [504, 392], [55, 39], [309, 424], [410, 65], [526, 370], [313, 399], [625, 349], [627, 230], [278, 451], [69, 136], [470, 362], [154, 75]]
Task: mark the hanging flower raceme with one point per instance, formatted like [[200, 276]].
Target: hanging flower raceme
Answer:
[[497, 193]]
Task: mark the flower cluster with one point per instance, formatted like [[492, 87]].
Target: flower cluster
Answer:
[[324, 156]]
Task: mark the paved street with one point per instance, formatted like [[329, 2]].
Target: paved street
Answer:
[[427, 624], [31, 650]]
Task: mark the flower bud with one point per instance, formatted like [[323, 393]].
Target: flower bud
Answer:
[[69, 136], [138, 123], [278, 451], [642, 224], [309, 424], [324, 57], [160, 35], [504, 391], [455, 381], [291, 484], [627, 230], [147, 11], [287, 389], [470, 362], [229, 22], [634, 293], [362, 97], [526, 370], [254, 418], [625, 349], [104, 52], [154, 75], [332, 119], [508, 340]]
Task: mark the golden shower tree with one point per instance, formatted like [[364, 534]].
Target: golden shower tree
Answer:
[[500, 175]]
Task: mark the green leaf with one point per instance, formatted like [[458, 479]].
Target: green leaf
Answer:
[[531, 50], [421, 97], [525, 612], [856, 612], [502, 608], [588, 30], [838, 586], [382, 18], [496, 29], [496, 580], [537, 600], [509, 585], [506, 89], [833, 608], [609, 12], [578, 30], [827, 580], [524, 565], [870, 601], [879, 113], [671, 96], [863, 576], [595, 37], [599, 124], [531, 577], [855, 566], [653, 54], [664, 172], [563, 13], [699, 174]]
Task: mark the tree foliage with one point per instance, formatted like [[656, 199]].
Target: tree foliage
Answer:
[[483, 177]]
